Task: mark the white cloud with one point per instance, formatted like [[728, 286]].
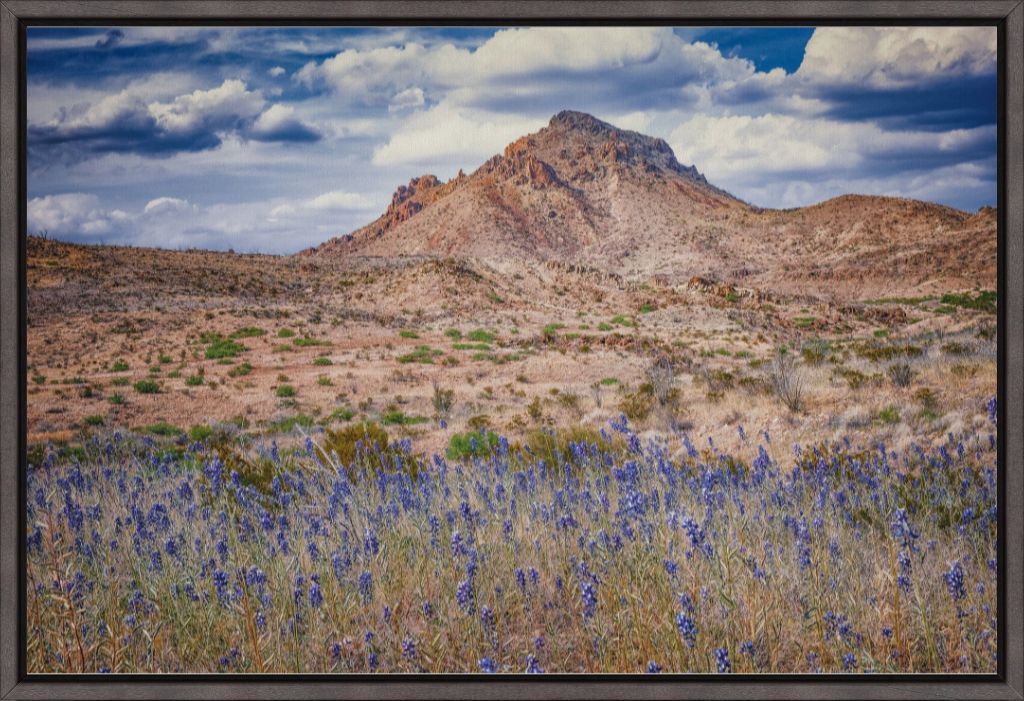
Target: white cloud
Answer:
[[276, 71], [338, 199], [783, 160], [71, 213], [888, 57], [448, 133], [229, 101], [166, 204], [410, 97]]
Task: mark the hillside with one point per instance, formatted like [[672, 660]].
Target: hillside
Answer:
[[583, 192]]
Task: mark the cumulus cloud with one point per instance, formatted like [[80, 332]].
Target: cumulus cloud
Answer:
[[893, 57], [279, 123], [804, 160], [276, 71], [135, 119], [448, 134], [172, 222]]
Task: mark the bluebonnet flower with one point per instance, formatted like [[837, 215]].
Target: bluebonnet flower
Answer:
[[464, 596], [316, 597], [588, 595], [747, 648], [366, 586], [533, 665], [722, 660], [955, 581], [653, 667], [849, 662], [487, 665], [687, 629], [409, 648]]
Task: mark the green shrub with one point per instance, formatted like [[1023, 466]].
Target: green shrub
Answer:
[[162, 428], [223, 348], [308, 342], [285, 333], [984, 301], [397, 418], [471, 444], [889, 415], [200, 433], [453, 334], [408, 334], [322, 361], [481, 336], [147, 387], [284, 391], [94, 420], [610, 381], [194, 380], [249, 332], [116, 399], [353, 443], [240, 370], [119, 366], [422, 354]]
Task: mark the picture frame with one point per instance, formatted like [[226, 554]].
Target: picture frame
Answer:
[[1008, 15]]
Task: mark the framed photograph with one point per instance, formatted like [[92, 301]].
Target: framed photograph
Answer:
[[493, 349]]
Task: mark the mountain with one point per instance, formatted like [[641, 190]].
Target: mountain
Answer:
[[583, 192]]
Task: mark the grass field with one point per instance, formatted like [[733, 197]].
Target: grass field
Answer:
[[594, 553]]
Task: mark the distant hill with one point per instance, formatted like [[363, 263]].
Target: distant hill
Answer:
[[581, 191]]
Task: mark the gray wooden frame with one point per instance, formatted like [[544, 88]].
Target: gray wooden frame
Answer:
[[1010, 13]]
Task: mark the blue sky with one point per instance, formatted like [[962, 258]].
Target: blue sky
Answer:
[[275, 139]]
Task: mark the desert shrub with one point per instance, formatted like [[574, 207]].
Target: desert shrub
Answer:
[[341, 414], [637, 405], [786, 380], [285, 333], [984, 301], [240, 370], [195, 380], [200, 433], [855, 379], [901, 374], [284, 391], [147, 387], [661, 376], [164, 359], [471, 346], [422, 354], [116, 399], [307, 342], [481, 336], [322, 361], [479, 422], [876, 352], [610, 381], [162, 428], [352, 444], [453, 334], [604, 326], [324, 380], [816, 352], [955, 348], [119, 366], [406, 333], [889, 415], [443, 400], [94, 420], [248, 332], [717, 381], [555, 446], [223, 348], [471, 444], [397, 418]]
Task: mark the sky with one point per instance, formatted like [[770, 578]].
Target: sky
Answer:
[[273, 139]]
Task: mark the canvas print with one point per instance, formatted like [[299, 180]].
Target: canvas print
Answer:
[[517, 350]]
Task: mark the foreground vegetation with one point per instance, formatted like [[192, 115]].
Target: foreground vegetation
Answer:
[[599, 552]]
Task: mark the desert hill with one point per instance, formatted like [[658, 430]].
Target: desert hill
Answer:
[[583, 192]]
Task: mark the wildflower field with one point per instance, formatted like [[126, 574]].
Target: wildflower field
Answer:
[[621, 554]]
